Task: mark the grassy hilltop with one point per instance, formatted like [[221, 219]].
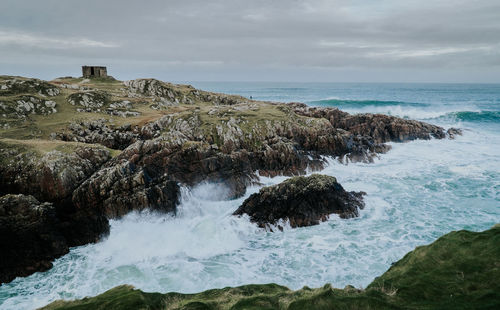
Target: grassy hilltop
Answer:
[[460, 270], [116, 103]]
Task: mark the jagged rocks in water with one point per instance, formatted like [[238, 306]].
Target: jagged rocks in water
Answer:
[[381, 128], [303, 201], [452, 132], [29, 236]]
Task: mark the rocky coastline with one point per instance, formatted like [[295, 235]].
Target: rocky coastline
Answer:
[[109, 147]]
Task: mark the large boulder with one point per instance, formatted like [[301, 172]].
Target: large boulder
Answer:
[[303, 201]]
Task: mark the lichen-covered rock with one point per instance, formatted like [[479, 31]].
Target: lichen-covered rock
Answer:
[[90, 100], [17, 86], [24, 105], [29, 236], [100, 102], [33, 234], [164, 92], [99, 132], [302, 201]]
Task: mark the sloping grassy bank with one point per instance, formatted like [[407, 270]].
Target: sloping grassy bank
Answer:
[[460, 270]]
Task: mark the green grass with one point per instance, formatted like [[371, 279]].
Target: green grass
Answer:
[[458, 271], [41, 147]]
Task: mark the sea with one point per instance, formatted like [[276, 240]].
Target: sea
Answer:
[[416, 193]]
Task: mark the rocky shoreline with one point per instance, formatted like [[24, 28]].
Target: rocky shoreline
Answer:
[[110, 147], [301, 201]]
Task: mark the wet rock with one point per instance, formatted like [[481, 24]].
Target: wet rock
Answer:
[[29, 236], [453, 132], [381, 128], [303, 201], [33, 234], [147, 175]]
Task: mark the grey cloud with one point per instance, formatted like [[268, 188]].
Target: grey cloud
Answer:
[[237, 39]]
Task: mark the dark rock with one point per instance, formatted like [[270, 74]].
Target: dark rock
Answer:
[[29, 236], [303, 201], [49, 177], [100, 132], [33, 234], [382, 128], [453, 132]]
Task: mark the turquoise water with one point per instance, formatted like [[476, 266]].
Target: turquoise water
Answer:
[[416, 193]]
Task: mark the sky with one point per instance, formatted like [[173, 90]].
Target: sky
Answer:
[[255, 40]]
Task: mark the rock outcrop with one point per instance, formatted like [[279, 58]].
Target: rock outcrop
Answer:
[[381, 128], [24, 105], [99, 132], [29, 236], [17, 85], [302, 201], [51, 176], [33, 234]]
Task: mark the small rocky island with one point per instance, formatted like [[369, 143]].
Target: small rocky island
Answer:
[[76, 152], [302, 201]]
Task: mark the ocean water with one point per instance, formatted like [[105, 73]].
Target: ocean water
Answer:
[[416, 192]]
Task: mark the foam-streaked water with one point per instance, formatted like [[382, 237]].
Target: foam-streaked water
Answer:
[[416, 193]]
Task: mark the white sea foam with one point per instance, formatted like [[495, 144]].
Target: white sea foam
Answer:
[[420, 113]]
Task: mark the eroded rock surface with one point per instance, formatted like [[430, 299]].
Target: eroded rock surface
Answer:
[[302, 201], [49, 177]]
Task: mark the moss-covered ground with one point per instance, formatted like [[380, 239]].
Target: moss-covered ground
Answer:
[[460, 270]]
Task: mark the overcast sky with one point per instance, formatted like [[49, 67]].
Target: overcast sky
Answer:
[[255, 40]]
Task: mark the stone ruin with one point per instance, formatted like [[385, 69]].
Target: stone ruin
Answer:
[[94, 71]]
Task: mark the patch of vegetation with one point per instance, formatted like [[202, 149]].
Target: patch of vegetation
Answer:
[[461, 270], [41, 147]]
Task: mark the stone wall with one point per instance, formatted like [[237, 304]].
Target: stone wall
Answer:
[[94, 71]]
